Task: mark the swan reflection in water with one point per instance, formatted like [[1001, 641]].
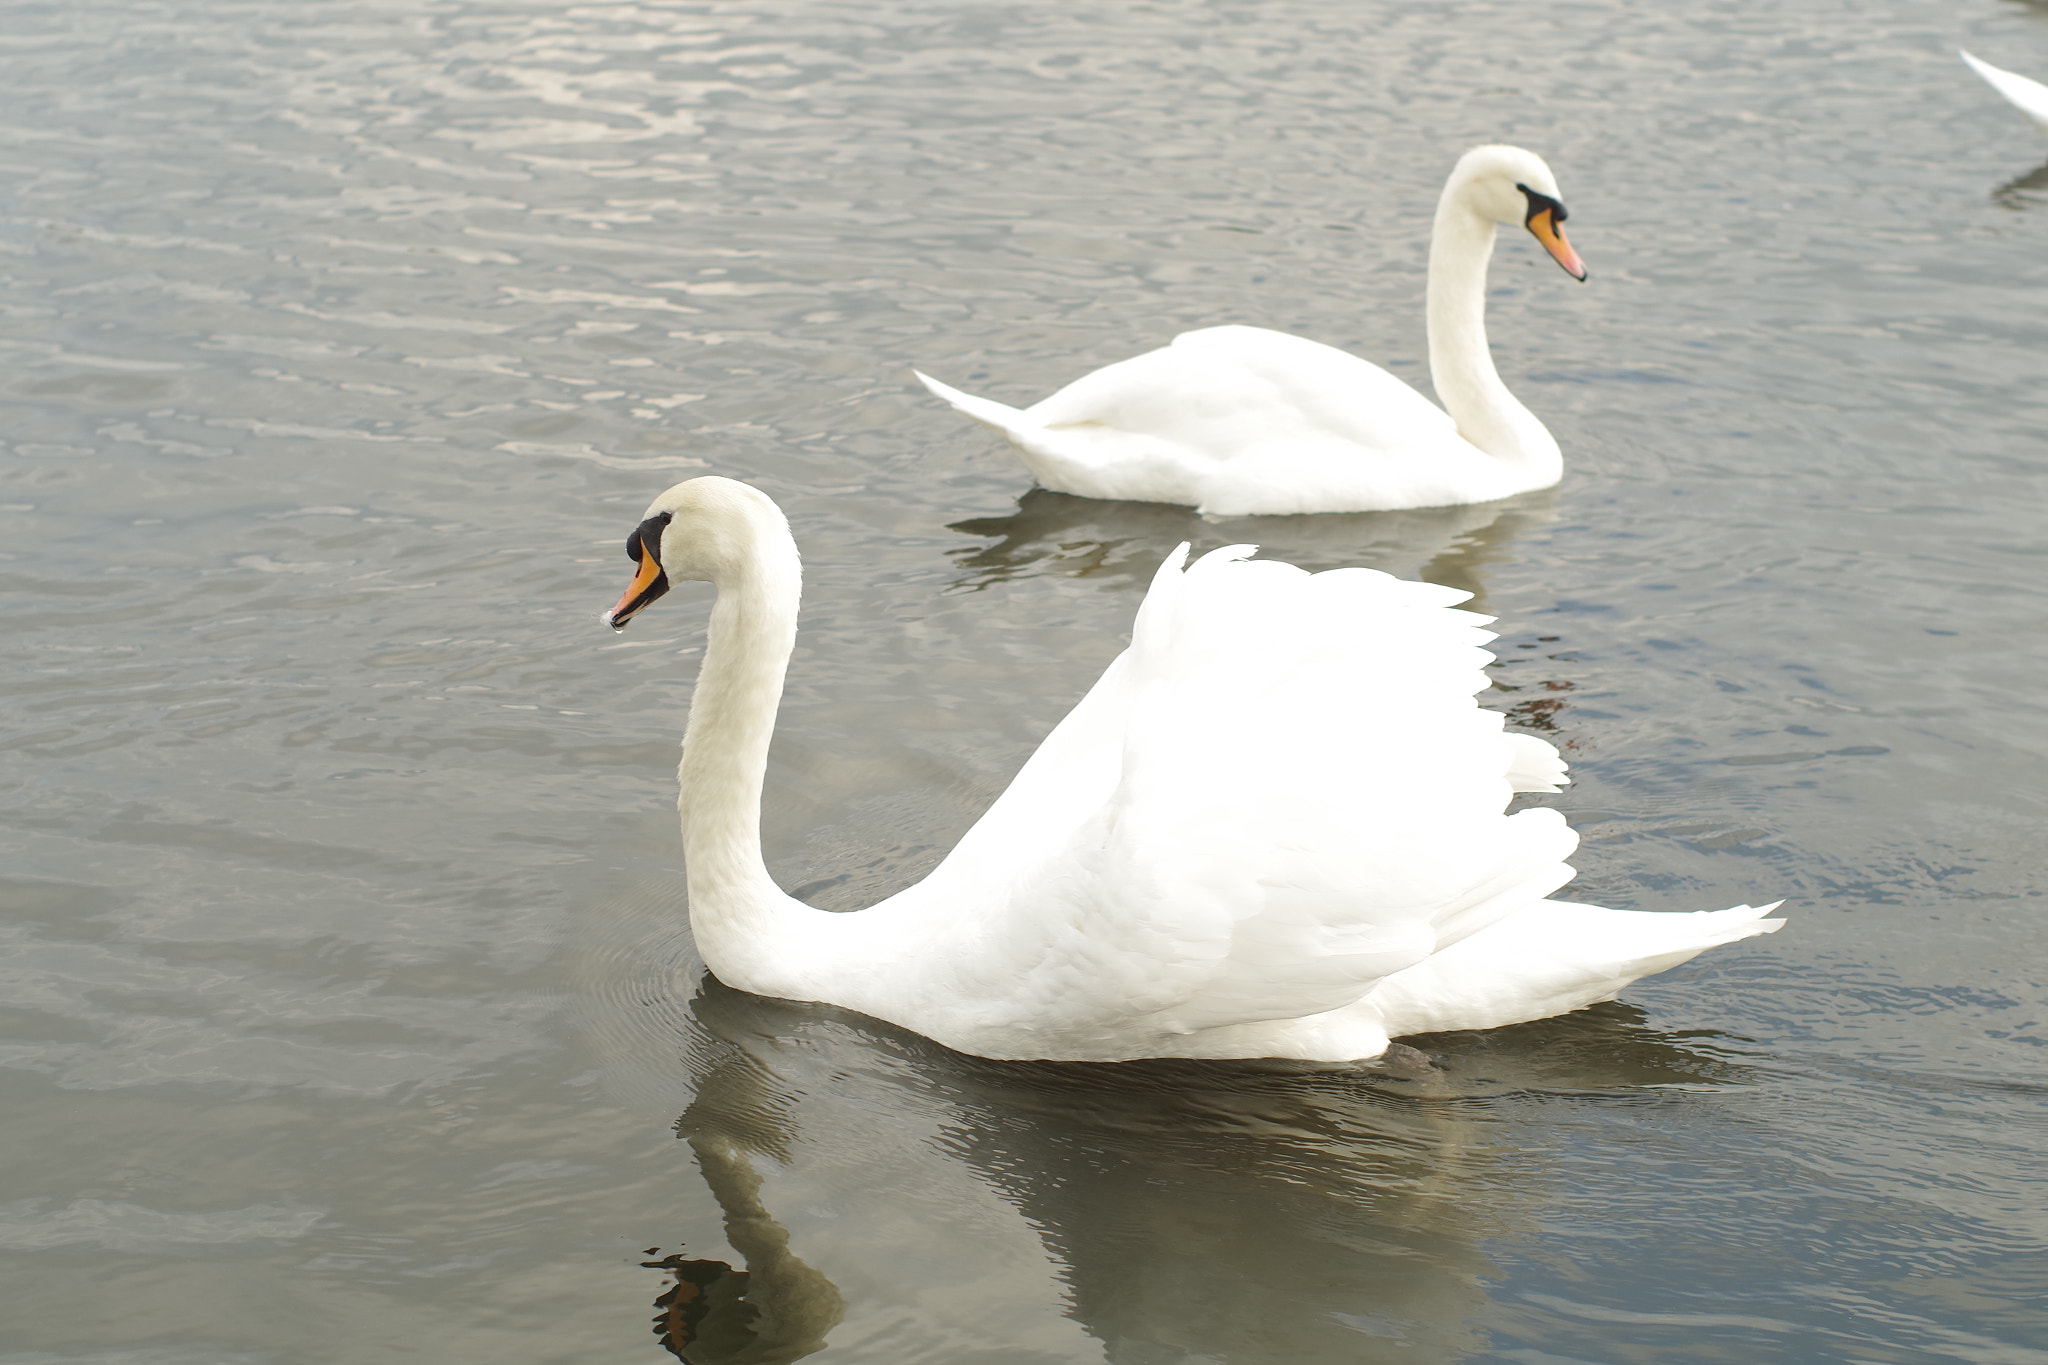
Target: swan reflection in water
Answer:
[[776, 1310], [1233, 1212], [2025, 191], [1054, 533]]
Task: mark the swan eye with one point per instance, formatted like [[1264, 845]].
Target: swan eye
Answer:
[[1540, 203]]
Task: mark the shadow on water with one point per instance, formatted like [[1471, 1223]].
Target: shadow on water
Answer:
[[2023, 192], [1056, 533], [1248, 1212]]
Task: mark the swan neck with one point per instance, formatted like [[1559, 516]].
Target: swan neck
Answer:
[[1460, 362], [733, 900]]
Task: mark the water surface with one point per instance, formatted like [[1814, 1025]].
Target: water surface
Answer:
[[350, 1012]]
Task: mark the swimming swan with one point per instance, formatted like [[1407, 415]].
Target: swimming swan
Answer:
[[2030, 96], [1241, 421], [1273, 828]]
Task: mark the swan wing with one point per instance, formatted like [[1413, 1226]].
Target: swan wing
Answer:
[[2029, 96], [1071, 774], [1223, 392], [1537, 765], [1242, 420], [1282, 793]]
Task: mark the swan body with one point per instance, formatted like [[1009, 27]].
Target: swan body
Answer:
[[2030, 97], [1241, 421], [1273, 828]]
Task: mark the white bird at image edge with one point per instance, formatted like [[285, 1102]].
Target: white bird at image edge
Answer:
[[2029, 96], [1275, 827]]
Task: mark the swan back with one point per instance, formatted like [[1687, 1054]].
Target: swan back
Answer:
[[1282, 793]]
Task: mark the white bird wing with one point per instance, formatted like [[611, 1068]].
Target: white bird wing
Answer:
[[1222, 393], [2029, 96], [1538, 766], [1240, 421], [1281, 793]]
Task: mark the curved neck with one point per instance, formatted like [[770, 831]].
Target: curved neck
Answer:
[[1460, 365], [734, 903]]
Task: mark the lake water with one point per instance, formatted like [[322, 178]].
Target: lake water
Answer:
[[351, 1014]]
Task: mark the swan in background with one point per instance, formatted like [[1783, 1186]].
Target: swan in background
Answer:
[[2029, 96], [1242, 421], [1273, 828]]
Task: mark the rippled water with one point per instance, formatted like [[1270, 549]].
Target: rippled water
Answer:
[[350, 1011]]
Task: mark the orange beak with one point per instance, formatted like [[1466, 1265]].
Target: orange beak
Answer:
[[649, 582], [1544, 226]]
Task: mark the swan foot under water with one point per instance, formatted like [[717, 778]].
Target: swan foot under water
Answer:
[[1276, 827], [1407, 1063]]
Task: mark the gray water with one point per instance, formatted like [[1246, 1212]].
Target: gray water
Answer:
[[351, 1013]]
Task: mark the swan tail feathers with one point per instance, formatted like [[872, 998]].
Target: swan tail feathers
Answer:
[[1002, 417], [1074, 444], [2029, 96], [1550, 958]]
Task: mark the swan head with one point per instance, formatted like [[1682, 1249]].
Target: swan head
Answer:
[[702, 530], [1510, 185]]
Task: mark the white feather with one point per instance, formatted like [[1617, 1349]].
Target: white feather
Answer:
[[2029, 96]]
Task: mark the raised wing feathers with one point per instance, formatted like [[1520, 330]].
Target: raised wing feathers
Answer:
[[1302, 799]]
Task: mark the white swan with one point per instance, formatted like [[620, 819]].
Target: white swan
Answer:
[[1241, 421], [2029, 96], [1273, 828]]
